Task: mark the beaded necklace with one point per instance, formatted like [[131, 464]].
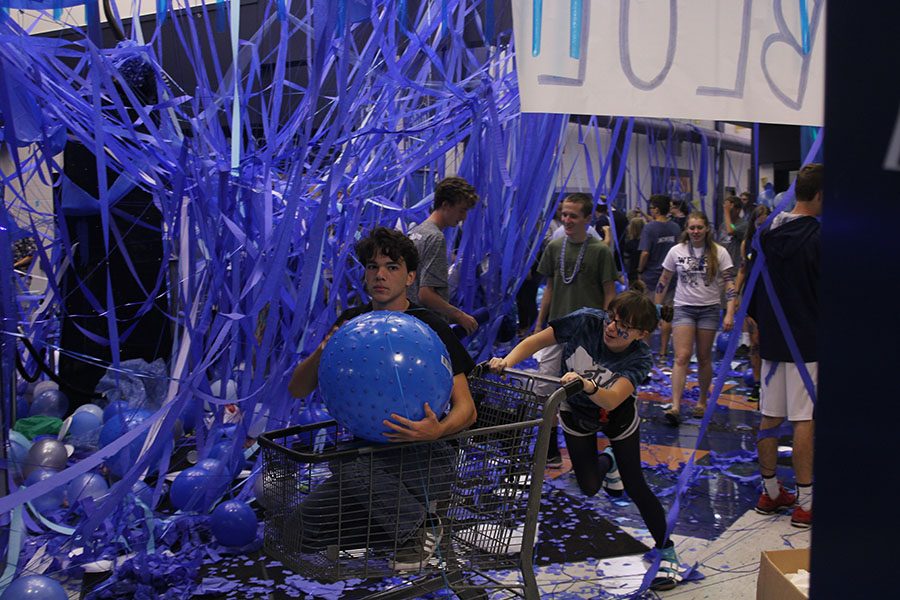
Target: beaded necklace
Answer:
[[562, 261]]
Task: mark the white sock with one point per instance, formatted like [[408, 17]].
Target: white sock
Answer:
[[805, 496], [772, 488]]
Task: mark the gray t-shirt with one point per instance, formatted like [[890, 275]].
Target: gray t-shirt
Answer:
[[432, 272], [657, 238]]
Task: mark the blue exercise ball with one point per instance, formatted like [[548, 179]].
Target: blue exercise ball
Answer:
[[380, 363], [722, 341], [749, 378], [49, 403], [86, 485], [234, 523], [34, 587], [50, 500], [191, 490], [46, 453]]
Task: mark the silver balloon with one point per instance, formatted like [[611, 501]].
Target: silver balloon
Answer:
[[47, 453]]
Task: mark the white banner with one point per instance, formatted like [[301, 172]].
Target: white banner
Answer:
[[725, 60]]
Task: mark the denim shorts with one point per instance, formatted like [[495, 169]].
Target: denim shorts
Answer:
[[700, 317]]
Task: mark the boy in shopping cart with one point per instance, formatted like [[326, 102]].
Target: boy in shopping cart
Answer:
[[392, 497], [607, 352]]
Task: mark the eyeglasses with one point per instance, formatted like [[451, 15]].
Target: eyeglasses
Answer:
[[621, 328]]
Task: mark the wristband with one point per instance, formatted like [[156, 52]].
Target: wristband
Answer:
[[596, 389]]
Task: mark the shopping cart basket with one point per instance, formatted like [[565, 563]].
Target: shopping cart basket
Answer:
[[339, 508]]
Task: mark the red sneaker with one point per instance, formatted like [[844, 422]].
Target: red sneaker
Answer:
[[767, 506], [801, 518]]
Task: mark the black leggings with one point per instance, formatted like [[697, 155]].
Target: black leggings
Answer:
[[590, 471]]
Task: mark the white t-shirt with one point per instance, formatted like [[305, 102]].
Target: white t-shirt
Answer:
[[689, 265]]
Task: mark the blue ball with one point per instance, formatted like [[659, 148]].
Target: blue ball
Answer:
[[230, 457], [191, 490], [143, 492], [84, 424], [749, 379], [722, 341], [90, 408], [34, 587], [19, 445], [118, 425], [49, 403], [116, 407], [86, 485], [234, 523], [50, 500], [380, 363]]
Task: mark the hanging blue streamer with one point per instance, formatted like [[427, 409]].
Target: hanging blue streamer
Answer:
[[162, 12], [536, 18], [575, 14], [804, 26], [489, 22]]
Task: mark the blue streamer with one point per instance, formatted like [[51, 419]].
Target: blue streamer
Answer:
[[575, 13], [536, 18], [804, 26]]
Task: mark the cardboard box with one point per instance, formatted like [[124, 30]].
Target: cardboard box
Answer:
[[772, 583]]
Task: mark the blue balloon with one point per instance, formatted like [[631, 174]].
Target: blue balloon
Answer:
[[86, 485], [34, 587], [18, 451], [380, 363], [116, 407], [143, 492], [191, 490], [84, 424], [50, 403], [749, 378], [228, 456], [722, 341], [90, 408], [234, 523], [50, 500], [118, 425]]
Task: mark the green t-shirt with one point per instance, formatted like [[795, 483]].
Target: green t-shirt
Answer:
[[586, 289]]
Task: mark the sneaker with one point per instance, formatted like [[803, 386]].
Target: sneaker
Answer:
[[414, 553], [668, 575], [554, 461], [753, 396], [767, 506], [672, 417], [801, 518], [613, 482]]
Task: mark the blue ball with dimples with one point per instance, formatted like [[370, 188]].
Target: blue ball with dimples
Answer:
[[381, 363]]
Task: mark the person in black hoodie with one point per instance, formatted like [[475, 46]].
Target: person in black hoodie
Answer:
[[791, 248]]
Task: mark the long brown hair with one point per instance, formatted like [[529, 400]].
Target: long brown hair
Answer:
[[712, 248]]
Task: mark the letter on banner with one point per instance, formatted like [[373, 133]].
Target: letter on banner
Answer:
[[729, 60]]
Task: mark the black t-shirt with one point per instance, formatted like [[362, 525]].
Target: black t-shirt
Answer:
[[459, 358]]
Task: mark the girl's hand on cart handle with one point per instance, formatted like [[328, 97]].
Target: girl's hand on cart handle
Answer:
[[573, 382], [497, 365]]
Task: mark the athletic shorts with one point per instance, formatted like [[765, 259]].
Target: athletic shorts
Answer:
[[782, 393], [700, 317]]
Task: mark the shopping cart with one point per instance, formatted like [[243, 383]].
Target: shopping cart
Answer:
[[339, 508]]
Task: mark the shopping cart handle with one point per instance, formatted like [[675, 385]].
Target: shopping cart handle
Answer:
[[574, 387]]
